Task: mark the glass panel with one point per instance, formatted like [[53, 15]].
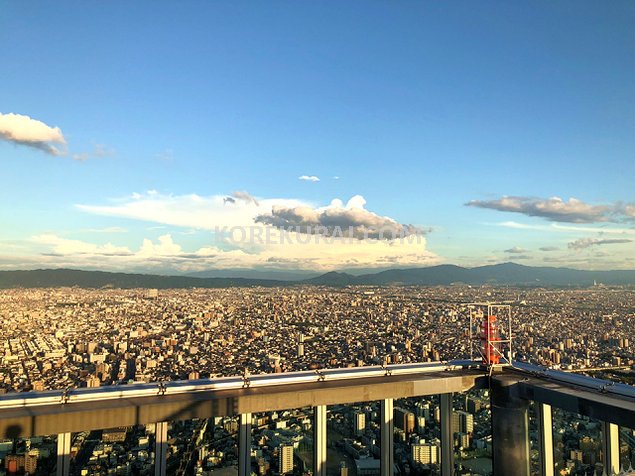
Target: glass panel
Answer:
[[353, 439], [472, 429], [207, 445], [534, 440], [417, 435], [36, 455], [627, 448], [122, 450], [577, 444], [282, 442]]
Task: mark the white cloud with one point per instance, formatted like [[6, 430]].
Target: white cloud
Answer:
[[351, 220], [516, 250], [64, 246], [190, 211], [256, 244], [570, 229], [166, 256], [309, 178], [583, 243], [553, 209], [24, 130]]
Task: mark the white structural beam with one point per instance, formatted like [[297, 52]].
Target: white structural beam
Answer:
[[611, 443], [447, 438], [545, 435], [387, 438], [319, 440], [160, 448], [63, 454]]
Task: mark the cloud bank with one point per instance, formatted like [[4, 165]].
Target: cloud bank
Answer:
[[23, 130], [309, 178], [583, 243], [247, 232]]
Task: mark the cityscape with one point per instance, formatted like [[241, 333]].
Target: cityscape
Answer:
[[285, 238], [61, 338]]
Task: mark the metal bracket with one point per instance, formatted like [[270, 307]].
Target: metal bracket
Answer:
[[321, 376], [162, 388], [65, 395]]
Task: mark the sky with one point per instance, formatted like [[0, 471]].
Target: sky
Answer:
[[179, 137]]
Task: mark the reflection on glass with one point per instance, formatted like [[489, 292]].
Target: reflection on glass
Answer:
[[417, 437], [627, 448], [577, 444], [36, 455], [534, 440], [203, 446], [353, 439], [472, 430], [121, 450], [282, 442]]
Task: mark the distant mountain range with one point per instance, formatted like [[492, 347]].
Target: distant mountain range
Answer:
[[500, 274]]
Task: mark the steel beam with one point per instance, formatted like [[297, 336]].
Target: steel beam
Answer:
[[63, 454], [510, 427], [447, 437], [244, 445], [319, 440], [545, 436], [27, 420], [386, 437], [160, 448], [611, 447]]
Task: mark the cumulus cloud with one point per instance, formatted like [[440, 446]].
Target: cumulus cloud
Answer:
[[583, 243], [23, 130], [516, 250], [164, 255], [553, 209], [350, 220], [309, 178], [245, 241]]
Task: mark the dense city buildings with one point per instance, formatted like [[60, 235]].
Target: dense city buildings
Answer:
[[70, 337], [61, 338]]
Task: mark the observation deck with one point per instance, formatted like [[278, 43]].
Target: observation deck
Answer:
[[514, 391]]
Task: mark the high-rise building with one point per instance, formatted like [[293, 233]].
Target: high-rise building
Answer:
[[359, 423], [424, 453], [404, 420], [285, 459], [462, 422]]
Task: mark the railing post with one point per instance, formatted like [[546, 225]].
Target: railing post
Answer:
[[160, 448], [63, 454], [611, 443], [244, 445], [319, 440], [545, 436], [510, 428], [387, 437], [447, 438]]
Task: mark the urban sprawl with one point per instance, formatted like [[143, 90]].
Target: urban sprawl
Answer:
[[70, 337]]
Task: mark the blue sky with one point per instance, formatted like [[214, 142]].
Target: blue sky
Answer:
[[418, 107]]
